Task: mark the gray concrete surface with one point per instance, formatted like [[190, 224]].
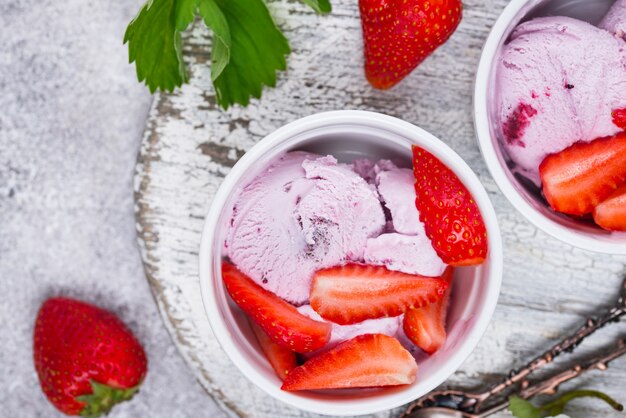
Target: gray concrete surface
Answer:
[[71, 117]]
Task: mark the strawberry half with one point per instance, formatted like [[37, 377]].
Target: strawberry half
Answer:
[[281, 321], [611, 214], [86, 359], [448, 211], [282, 359], [426, 326], [399, 35], [355, 292], [578, 178], [370, 360]]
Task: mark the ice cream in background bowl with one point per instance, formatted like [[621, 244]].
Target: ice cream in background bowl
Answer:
[[349, 158], [552, 73]]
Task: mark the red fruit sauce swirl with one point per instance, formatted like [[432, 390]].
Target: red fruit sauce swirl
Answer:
[[619, 118], [515, 125]]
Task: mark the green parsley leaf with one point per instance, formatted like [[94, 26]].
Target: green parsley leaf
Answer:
[[248, 49], [154, 42], [521, 408], [257, 51], [320, 6], [215, 19]]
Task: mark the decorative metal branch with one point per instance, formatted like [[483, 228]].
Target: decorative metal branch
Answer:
[[471, 403]]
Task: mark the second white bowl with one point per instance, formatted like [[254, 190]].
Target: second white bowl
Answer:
[[526, 198]]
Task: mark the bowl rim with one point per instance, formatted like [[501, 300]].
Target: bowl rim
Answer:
[[483, 316], [487, 148]]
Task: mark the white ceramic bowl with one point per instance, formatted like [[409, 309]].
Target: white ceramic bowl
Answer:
[[527, 198], [349, 135]]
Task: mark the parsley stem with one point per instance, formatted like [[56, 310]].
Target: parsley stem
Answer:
[[567, 397]]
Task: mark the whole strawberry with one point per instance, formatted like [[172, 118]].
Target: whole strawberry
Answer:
[[400, 34], [86, 358]]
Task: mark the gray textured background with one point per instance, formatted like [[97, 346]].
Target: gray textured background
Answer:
[[71, 118]]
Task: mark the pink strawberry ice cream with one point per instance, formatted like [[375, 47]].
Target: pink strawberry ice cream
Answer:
[[394, 185], [406, 248], [615, 20], [306, 212], [412, 254], [340, 333], [559, 80]]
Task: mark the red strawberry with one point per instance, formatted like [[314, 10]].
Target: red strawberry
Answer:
[[355, 292], [86, 359], [280, 320], [619, 118], [282, 359], [399, 35], [369, 360], [426, 326], [611, 214], [578, 178], [448, 211]]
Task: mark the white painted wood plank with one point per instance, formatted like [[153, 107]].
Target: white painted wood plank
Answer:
[[190, 145]]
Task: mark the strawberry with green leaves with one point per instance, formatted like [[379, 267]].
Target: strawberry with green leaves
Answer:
[[399, 35], [86, 359], [450, 215]]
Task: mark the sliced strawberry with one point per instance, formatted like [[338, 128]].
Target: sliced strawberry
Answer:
[[355, 292], [281, 321], [399, 35], [426, 326], [619, 118], [611, 214], [448, 211], [369, 360], [282, 359], [578, 178]]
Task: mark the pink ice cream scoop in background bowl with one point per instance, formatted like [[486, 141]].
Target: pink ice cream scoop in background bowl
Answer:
[[348, 136], [555, 101]]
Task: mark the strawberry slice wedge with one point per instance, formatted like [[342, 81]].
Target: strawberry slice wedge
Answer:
[[355, 292], [281, 321], [448, 211], [370, 360], [399, 35], [611, 214], [578, 178], [282, 359], [426, 326]]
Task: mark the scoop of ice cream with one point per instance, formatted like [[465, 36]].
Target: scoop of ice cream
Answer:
[[615, 20], [558, 81], [302, 214], [369, 169], [411, 254], [340, 333], [397, 190]]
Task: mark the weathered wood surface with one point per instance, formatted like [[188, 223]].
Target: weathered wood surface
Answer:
[[190, 145]]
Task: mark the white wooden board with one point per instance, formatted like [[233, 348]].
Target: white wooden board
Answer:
[[190, 145]]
